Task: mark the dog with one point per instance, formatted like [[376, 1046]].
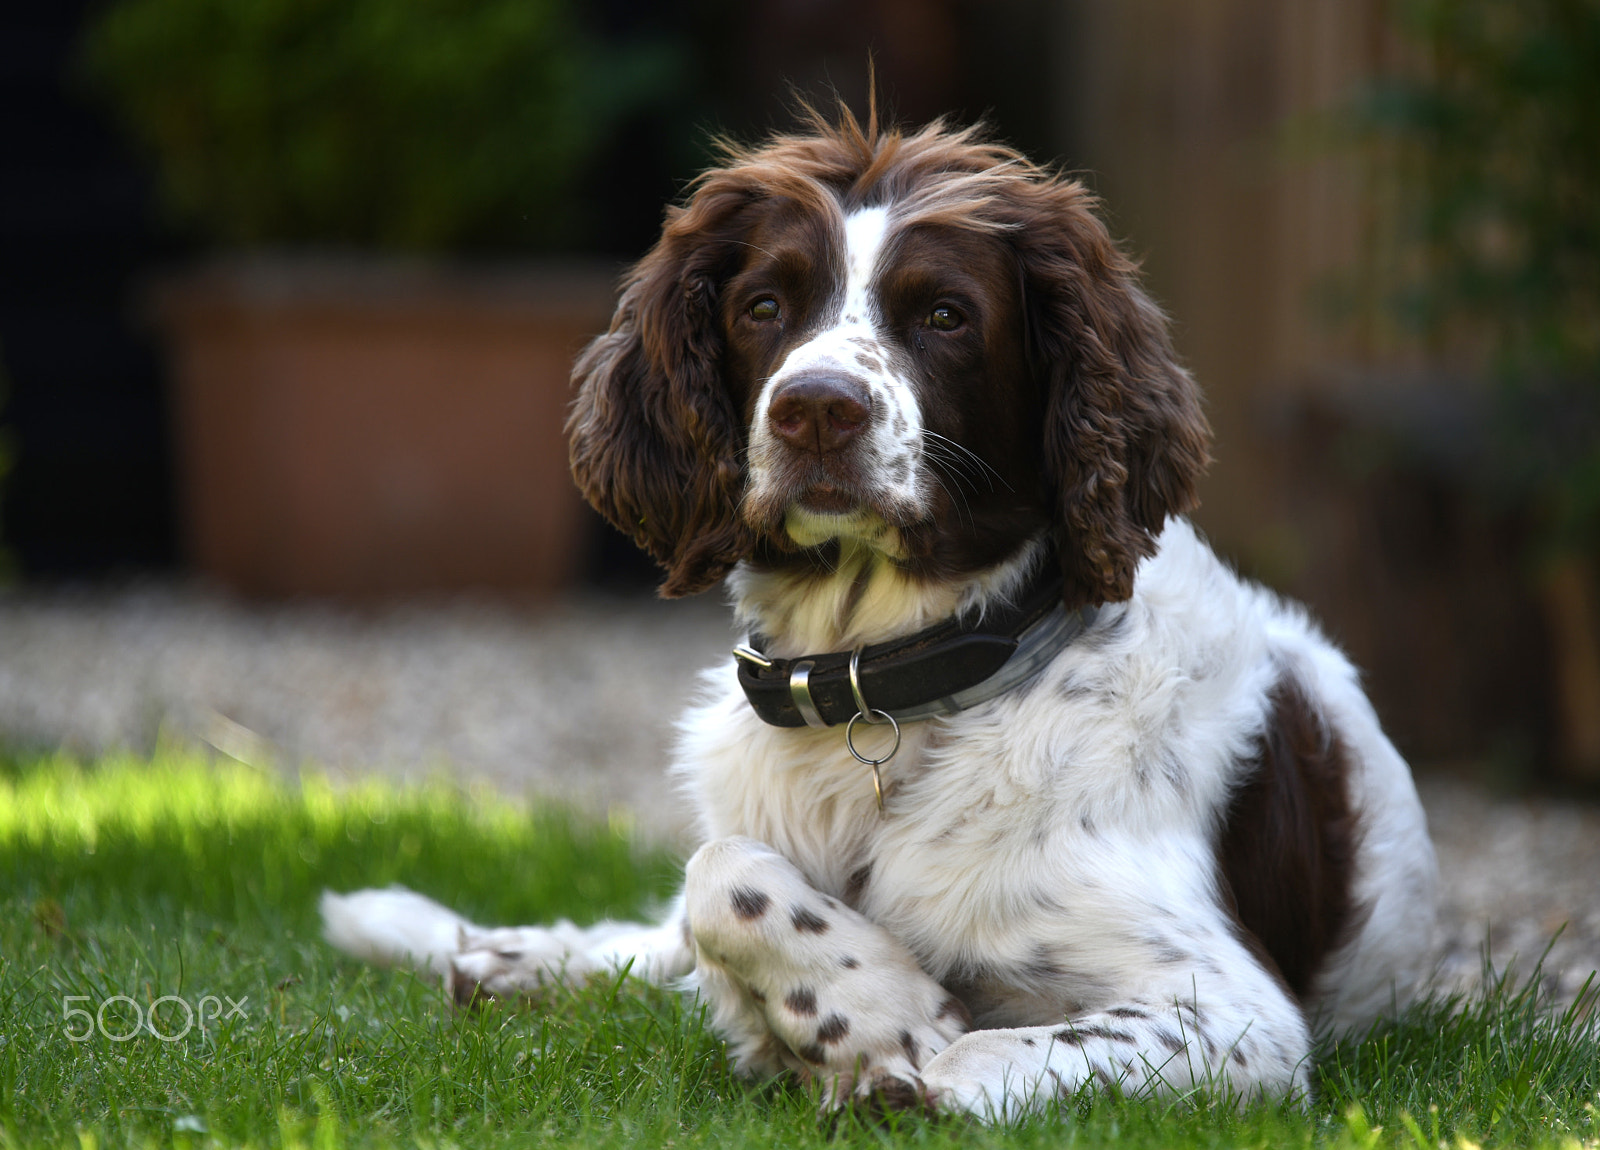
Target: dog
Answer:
[[1014, 789]]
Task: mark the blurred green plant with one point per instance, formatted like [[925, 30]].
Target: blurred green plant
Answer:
[[1489, 137], [414, 125], [1486, 142]]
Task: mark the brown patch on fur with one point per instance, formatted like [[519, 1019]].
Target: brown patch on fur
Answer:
[[1169, 1039], [749, 904], [802, 1001], [654, 437], [834, 1028], [1079, 1033], [1287, 850], [954, 1007], [806, 922]]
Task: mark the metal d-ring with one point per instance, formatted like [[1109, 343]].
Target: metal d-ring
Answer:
[[850, 742], [871, 715]]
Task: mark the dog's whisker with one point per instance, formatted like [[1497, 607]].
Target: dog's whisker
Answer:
[[972, 455], [941, 459]]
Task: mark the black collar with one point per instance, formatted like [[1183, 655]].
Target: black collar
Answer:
[[940, 670]]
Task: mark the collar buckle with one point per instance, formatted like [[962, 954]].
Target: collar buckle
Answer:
[[750, 655]]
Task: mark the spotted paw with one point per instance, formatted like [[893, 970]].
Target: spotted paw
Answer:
[[875, 1056]]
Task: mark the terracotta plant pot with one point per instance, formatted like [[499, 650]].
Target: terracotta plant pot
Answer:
[[366, 429]]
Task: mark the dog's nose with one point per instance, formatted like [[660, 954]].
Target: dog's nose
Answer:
[[819, 413]]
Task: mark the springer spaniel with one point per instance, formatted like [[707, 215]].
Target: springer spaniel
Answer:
[[1014, 787]]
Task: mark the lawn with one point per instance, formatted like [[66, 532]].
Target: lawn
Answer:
[[184, 894]]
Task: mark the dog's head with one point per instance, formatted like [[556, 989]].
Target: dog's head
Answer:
[[922, 342]]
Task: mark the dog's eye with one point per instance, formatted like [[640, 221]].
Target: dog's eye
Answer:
[[765, 310], [945, 318]]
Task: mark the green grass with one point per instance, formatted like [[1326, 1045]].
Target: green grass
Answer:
[[177, 878]]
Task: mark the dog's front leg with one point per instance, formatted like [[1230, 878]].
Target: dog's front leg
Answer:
[[400, 927], [796, 980], [1234, 1035]]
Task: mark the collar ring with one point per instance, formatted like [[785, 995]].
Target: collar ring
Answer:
[[874, 763]]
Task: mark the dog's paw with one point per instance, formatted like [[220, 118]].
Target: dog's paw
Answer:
[[514, 963], [888, 1094], [1002, 1075], [870, 1054], [875, 1097], [842, 996]]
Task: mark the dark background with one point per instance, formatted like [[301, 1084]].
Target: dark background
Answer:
[[90, 490]]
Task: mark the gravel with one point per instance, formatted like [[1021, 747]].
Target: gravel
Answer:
[[575, 699]]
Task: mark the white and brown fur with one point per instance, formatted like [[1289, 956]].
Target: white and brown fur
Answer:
[[869, 377]]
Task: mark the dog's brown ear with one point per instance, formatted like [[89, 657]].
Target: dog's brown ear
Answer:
[[1125, 439], [655, 443]]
